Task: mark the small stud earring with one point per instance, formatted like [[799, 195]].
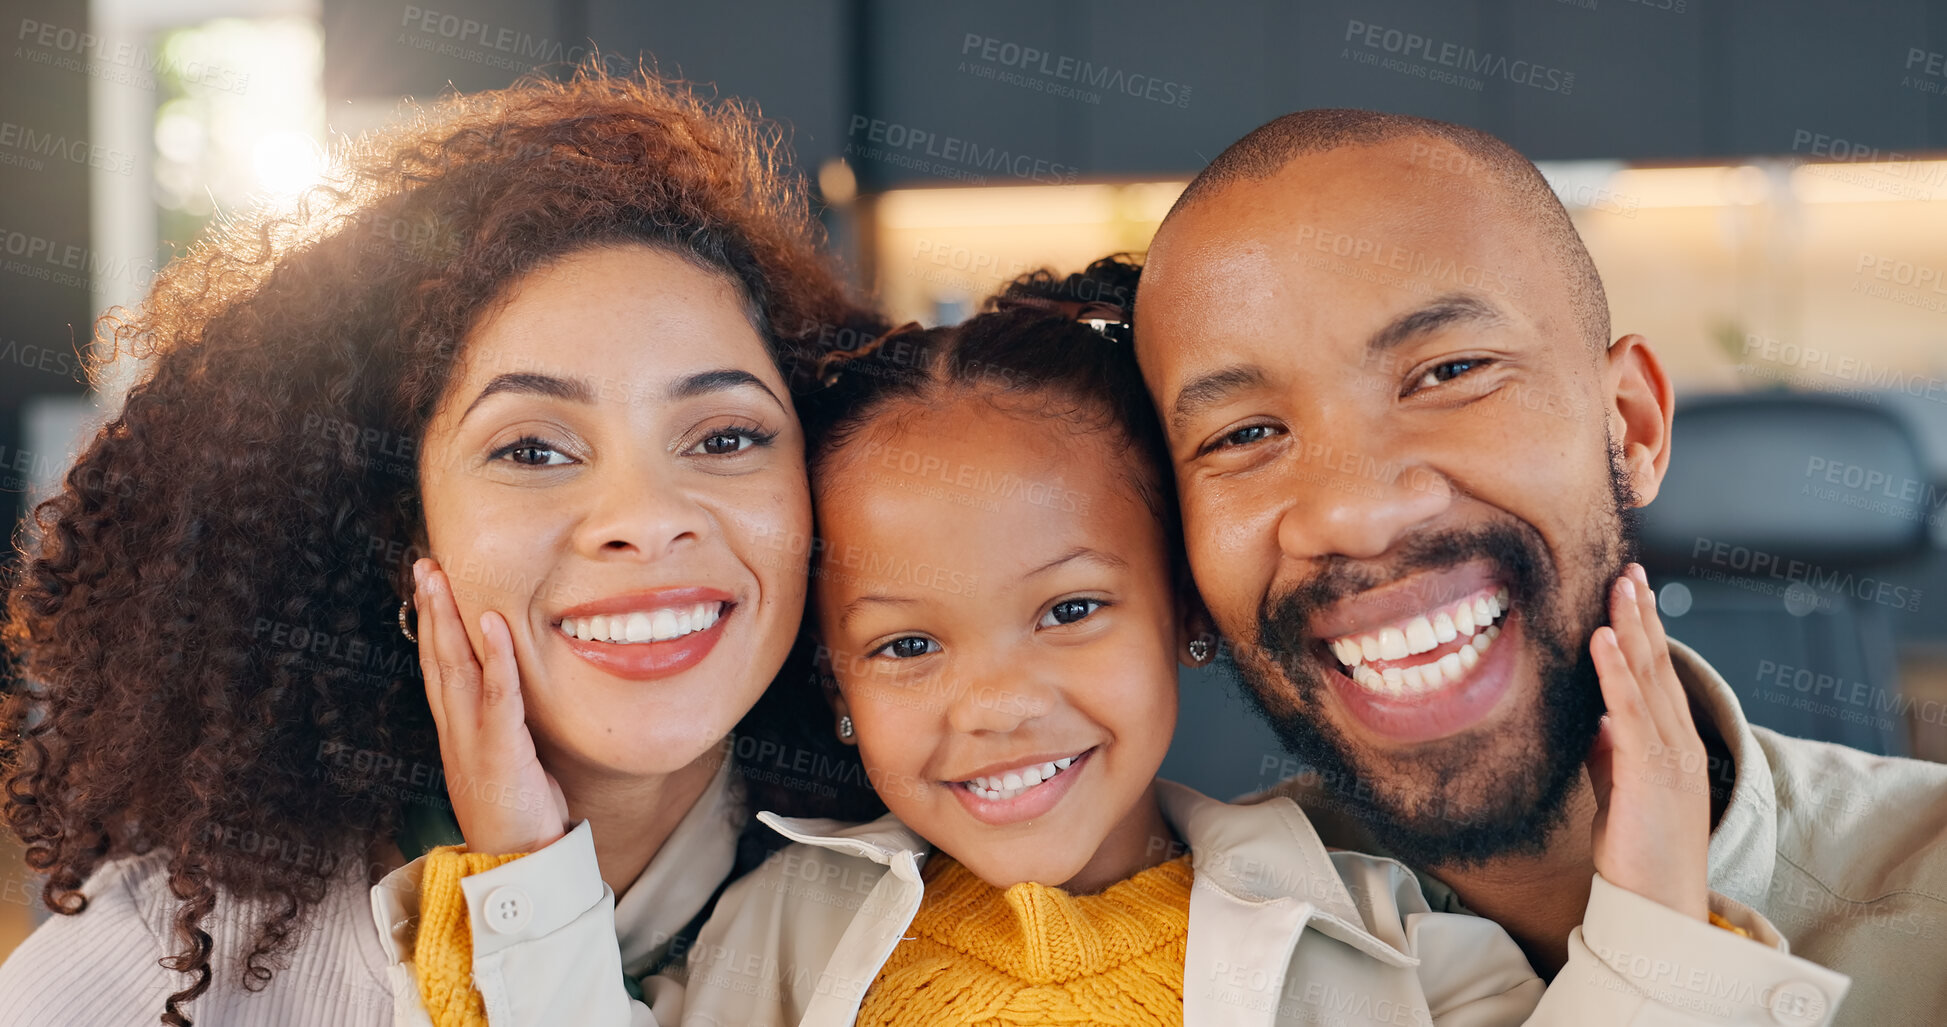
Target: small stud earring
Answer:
[[845, 729], [405, 628], [1199, 650]]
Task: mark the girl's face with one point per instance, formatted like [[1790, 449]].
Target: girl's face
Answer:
[[1000, 617], [616, 469]]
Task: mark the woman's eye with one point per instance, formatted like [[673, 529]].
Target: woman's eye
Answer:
[[1068, 611], [1447, 371], [531, 453], [731, 440], [909, 647]]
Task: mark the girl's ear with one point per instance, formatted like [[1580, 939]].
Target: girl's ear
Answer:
[[828, 684], [1196, 633]]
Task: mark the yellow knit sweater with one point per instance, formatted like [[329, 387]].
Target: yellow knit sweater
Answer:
[[1032, 954], [442, 951]]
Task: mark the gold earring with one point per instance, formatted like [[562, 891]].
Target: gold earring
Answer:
[[404, 627]]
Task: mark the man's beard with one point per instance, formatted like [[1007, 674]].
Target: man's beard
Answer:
[[1462, 800]]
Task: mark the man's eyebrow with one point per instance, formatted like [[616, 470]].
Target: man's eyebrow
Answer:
[[532, 383], [1079, 553], [1207, 390], [1443, 312], [718, 381]]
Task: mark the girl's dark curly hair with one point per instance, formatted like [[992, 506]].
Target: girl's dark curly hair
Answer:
[[201, 635]]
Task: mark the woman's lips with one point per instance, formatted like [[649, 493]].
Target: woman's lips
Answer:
[[642, 616], [1035, 802]]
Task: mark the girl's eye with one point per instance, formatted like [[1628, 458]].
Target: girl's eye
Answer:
[[1447, 371], [531, 452], [909, 647], [1068, 611]]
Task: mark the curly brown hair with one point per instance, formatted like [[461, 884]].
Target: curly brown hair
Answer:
[[201, 633]]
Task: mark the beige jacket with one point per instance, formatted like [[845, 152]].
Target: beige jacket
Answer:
[[1845, 852], [551, 941], [1282, 931]]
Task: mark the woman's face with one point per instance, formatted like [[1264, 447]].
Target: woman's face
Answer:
[[616, 469]]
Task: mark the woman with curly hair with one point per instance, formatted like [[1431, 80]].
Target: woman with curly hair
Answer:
[[535, 348]]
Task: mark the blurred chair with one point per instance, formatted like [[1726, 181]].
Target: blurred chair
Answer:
[[1770, 545]]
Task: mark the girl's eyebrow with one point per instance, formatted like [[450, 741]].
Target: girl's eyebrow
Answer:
[[860, 602], [1079, 553], [580, 390]]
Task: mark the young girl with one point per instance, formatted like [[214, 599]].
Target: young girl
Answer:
[[1001, 604]]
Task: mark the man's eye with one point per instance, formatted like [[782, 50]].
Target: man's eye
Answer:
[[531, 453], [909, 647], [1248, 434], [1068, 611], [1447, 371]]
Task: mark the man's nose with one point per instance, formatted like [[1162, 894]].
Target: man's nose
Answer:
[[1353, 494]]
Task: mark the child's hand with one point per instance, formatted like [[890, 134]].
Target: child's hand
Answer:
[[504, 799], [1652, 821]]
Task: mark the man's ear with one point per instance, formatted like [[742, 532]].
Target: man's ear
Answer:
[[1639, 417]]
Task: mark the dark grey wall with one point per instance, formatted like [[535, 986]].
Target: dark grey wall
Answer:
[[45, 258]]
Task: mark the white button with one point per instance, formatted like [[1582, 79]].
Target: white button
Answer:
[[1797, 1003], [508, 910]]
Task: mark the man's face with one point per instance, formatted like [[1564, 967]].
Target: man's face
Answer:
[[1403, 492]]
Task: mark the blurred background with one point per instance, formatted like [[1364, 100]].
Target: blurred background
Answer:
[[1763, 185]]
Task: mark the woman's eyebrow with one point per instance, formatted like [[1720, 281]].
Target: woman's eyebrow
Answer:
[[717, 381], [533, 383], [580, 390]]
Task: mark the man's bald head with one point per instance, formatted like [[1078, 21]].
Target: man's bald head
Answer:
[[1259, 156]]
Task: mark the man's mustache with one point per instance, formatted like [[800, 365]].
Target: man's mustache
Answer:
[[1513, 548]]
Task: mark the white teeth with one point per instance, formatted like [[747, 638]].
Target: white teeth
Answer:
[[1420, 636], [1471, 620], [643, 625], [1006, 786]]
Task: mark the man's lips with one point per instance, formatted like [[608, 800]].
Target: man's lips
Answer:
[[1386, 702]]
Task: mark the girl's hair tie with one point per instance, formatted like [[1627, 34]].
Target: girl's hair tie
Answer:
[[1110, 320]]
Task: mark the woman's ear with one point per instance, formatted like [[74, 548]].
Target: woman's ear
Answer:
[[1196, 633]]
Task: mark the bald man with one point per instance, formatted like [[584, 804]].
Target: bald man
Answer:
[[1384, 362]]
